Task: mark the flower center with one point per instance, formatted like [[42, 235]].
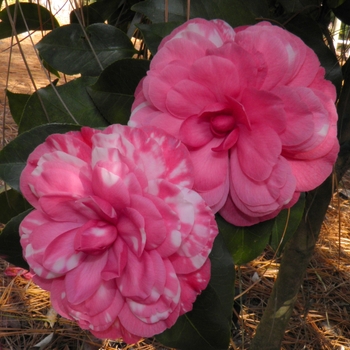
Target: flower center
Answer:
[[94, 237], [222, 124]]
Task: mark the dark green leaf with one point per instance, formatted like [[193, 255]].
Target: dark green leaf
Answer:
[[235, 12], [10, 247], [51, 69], [17, 103], [309, 31], [67, 49], [259, 8], [343, 12], [36, 17], [245, 243], [154, 33], [97, 12], [51, 110], [13, 157], [286, 224], [208, 325], [335, 3], [344, 106], [113, 93], [12, 203], [291, 5]]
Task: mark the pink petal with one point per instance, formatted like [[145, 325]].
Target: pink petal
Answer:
[[157, 86], [261, 198], [60, 177], [62, 207], [188, 98], [263, 108], [178, 165], [320, 168], [196, 246], [154, 225], [221, 76], [131, 228], [109, 185], [258, 151], [60, 255], [117, 260], [94, 237], [88, 275], [192, 284], [34, 231], [195, 132], [141, 269]]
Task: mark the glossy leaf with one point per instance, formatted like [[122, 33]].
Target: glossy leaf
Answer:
[[36, 18], [245, 243], [310, 32], [68, 49], [10, 247], [154, 33], [51, 110], [335, 3], [208, 325], [343, 107], [17, 103], [259, 8], [342, 11], [96, 12], [286, 224], [13, 157], [12, 203], [235, 12], [113, 93]]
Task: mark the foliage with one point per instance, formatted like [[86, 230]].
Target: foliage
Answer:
[[103, 94]]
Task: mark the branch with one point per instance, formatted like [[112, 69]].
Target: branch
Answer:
[[295, 260]]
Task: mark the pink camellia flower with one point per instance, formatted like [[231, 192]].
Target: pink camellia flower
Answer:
[[117, 236], [253, 108]]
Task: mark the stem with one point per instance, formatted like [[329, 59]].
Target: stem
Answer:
[[295, 260]]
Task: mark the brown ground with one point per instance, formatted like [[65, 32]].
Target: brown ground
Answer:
[[321, 317]]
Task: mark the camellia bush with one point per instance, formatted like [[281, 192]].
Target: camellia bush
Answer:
[[135, 188]]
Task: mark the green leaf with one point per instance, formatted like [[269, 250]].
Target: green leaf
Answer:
[[67, 48], [343, 107], [36, 17], [113, 93], [96, 12], [13, 157], [12, 203], [17, 103], [335, 3], [245, 243], [286, 224], [259, 8], [44, 106], [50, 69], [208, 325], [309, 31], [154, 33], [235, 12], [10, 247], [342, 11]]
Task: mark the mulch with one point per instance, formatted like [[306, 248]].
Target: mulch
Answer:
[[321, 316]]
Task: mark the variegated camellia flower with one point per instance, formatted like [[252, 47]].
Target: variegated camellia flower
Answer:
[[253, 108], [117, 235]]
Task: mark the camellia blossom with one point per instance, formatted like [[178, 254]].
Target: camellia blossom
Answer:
[[253, 108], [117, 236]]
